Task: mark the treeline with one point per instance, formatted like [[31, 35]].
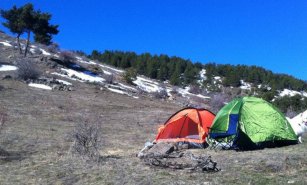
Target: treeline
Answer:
[[162, 67], [256, 75], [183, 72]]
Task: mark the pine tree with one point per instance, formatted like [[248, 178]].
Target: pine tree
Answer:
[[26, 20]]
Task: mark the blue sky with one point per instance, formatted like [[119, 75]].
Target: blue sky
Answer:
[[267, 33]]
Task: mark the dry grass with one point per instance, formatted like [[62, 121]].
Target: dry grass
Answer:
[[37, 137]]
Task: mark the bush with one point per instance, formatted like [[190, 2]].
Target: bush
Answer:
[[67, 56], [95, 69], [53, 48], [27, 70], [109, 78], [86, 140], [195, 89], [3, 118], [161, 94], [130, 75]]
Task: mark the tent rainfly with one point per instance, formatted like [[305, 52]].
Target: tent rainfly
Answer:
[[250, 123], [189, 125]]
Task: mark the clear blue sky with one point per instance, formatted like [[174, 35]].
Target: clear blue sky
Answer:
[[267, 33]]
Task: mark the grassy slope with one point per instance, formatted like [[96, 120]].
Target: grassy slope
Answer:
[[40, 121]]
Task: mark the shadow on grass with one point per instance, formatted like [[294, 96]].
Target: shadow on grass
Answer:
[[9, 156]]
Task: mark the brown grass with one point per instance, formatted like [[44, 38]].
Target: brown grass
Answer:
[[37, 137]]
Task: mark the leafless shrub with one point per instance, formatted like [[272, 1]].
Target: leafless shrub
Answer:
[[174, 90], [198, 102], [3, 118], [291, 113], [53, 48], [109, 78], [27, 70], [67, 56], [95, 69], [86, 137], [218, 100], [162, 94], [195, 89]]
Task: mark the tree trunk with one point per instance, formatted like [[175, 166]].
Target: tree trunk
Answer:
[[18, 43], [27, 45]]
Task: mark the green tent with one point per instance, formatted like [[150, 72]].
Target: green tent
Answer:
[[248, 123]]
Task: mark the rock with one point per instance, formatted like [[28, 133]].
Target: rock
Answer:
[[7, 77]]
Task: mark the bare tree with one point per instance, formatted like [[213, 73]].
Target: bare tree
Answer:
[[86, 137]]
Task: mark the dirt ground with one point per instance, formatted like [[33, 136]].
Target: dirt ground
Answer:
[[37, 137]]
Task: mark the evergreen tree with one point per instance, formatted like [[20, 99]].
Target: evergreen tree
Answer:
[[26, 20]]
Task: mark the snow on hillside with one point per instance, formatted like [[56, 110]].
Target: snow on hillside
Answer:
[[6, 43], [111, 68], [288, 92], [185, 93], [7, 68], [245, 85], [147, 85], [217, 79], [64, 82], [202, 76], [80, 76], [40, 86], [44, 52], [81, 60]]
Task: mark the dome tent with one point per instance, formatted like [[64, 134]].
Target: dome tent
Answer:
[[189, 125], [249, 123]]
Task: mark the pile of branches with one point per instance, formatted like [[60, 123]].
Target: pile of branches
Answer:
[[172, 158]]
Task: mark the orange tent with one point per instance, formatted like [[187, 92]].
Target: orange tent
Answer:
[[189, 125]]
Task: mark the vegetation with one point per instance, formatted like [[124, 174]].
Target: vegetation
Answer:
[[288, 104], [162, 67], [27, 70], [129, 76], [26, 20], [183, 72], [86, 140], [253, 74]]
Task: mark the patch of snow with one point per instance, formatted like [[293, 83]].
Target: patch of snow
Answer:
[[147, 85], [66, 76], [7, 68], [85, 77], [217, 79], [41, 86], [127, 87], [245, 85], [32, 50], [288, 92], [121, 92], [202, 96], [107, 72], [44, 52], [6, 44], [202, 74], [64, 82], [185, 92], [81, 60], [117, 91], [117, 70]]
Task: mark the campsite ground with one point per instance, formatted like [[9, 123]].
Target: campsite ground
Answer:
[[37, 137]]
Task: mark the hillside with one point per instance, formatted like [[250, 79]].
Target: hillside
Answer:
[[41, 117]]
